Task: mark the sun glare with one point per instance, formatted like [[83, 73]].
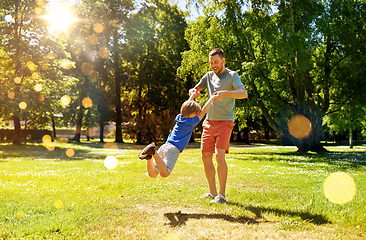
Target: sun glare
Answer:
[[59, 18]]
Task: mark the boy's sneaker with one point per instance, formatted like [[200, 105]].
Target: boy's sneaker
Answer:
[[219, 199], [207, 195], [147, 152]]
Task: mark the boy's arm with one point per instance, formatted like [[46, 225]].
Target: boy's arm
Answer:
[[206, 107]]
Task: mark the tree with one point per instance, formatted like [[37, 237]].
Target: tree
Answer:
[[25, 79], [289, 55], [118, 17], [94, 46], [154, 42], [347, 114]]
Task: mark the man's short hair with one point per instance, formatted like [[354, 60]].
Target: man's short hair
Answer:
[[217, 51], [189, 107]]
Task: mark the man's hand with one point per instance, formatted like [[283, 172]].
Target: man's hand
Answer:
[[239, 93], [193, 93]]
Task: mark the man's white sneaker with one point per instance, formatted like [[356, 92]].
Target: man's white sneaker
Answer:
[[207, 195], [219, 199]]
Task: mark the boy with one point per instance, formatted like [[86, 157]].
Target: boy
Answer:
[[167, 155]]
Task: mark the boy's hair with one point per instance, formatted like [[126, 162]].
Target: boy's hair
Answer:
[[189, 107], [217, 51]]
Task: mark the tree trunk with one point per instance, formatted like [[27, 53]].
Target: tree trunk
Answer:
[[311, 142], [350, 138], [350, 128], [266, 129], [118, 112], [25, 131], [246, 135], [16, 135], [101, 112], [53, 126], [118, 80], [89, 130], [17, 33], [101, 131], [79, 122]]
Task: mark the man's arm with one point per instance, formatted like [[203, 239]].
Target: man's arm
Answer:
[[206, 107], [239, 93]]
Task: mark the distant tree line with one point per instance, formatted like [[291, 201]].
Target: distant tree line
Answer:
[[132, 63]]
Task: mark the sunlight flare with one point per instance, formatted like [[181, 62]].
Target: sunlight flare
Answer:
[[59, 18]]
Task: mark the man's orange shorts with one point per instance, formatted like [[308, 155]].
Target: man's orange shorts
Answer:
[[216, 134]]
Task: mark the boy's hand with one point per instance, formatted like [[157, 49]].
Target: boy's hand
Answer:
[[219, 95]]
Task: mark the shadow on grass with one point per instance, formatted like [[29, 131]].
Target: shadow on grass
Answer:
[[34, 152], [83, 150], [180, 219], [258, 211], [338, 159], [98, 144]]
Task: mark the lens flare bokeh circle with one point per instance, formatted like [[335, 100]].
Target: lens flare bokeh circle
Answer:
[[46, 139], [104, 52], [66, 63], [11, 95], [58, 204], [38, 87], [41, 98], [93, 40], [87, 68], [110, 162], [339, 188], [17, 80], [110, 145], [20, 214], [299, 126], [22, 105], [87, 102], [98, 27], [70, 152], [31, 66], [8, 18], [65, 100]]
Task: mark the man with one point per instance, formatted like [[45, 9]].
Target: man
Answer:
[[219, 122]]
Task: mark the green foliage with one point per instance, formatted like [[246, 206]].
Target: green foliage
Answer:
[[295, 56], [21, 41]]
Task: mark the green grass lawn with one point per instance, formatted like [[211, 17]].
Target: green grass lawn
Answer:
[[272, 193]]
